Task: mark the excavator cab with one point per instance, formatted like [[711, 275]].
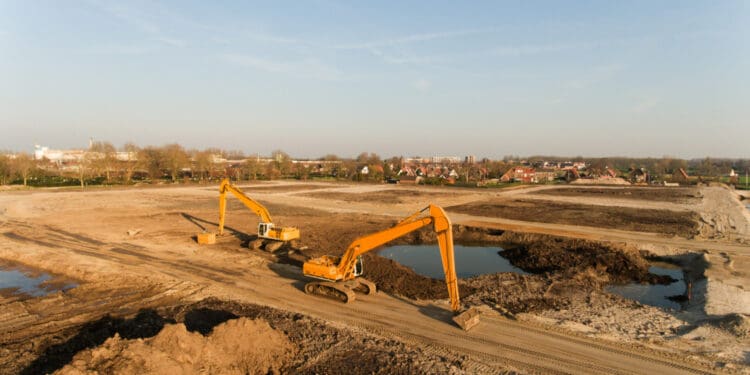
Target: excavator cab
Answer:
[[263, 229]]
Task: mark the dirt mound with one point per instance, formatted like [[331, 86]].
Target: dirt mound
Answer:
[[394, 278], [736, 324], [238, 346], [551, 254]]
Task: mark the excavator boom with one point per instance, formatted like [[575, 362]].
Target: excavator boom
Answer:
[[250, 203], [340, 273], [266, 228]]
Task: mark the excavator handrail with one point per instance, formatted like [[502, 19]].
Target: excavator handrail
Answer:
[[250, 203], [442, 226]]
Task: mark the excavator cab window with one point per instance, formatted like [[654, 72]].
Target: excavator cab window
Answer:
[[262, 229], [358, 267]]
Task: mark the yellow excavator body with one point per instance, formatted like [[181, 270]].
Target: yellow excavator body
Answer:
[[339, 276], [266, 228]]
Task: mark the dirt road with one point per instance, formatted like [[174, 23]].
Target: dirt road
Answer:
[[85, 236]]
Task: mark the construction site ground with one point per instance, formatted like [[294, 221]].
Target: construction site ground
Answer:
[[148, 298]]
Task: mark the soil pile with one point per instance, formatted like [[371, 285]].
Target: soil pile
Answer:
[[549, 254], [394, 278], [238, 346]]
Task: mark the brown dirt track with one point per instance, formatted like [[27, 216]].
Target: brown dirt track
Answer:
[[675, 195], [684, 224]]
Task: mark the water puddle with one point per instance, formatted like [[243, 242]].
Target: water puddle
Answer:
[[470, 260], [19, 282], [655, 295]]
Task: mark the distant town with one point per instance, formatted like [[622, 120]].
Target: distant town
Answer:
[[103, 163]]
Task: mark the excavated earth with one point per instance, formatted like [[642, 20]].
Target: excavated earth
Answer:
[[675, 195], [683, 224], [123, 318], [218, 336]]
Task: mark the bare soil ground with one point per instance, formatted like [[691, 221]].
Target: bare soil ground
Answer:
[[684, 224], [394, 196], [675, 195], [140, 272], [217, 336]]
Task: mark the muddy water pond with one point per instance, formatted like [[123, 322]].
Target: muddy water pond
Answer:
[[24, 282], [473, 261], [655, 295], [470, 260]]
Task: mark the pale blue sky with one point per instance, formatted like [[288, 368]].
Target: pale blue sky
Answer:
[[632, 78]]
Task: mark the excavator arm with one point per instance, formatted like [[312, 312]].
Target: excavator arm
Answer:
[[342, 269], [254, 206], [442, 227]]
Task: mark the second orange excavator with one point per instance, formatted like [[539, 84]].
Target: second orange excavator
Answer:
[[339, 276], [270, 237]]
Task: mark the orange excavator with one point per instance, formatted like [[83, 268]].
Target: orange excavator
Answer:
[[339, 277], [270, 237]]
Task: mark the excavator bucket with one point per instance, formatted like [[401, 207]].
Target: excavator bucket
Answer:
[[467, 319]]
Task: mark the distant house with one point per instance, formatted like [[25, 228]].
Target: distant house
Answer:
[[364, 170], [520, 174]]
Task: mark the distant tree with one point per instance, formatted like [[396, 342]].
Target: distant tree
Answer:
[[175, 158], [301, 171], [282, 162], [132, 162], [234, 155], [103, 158], [706, 168], [330, 157], [203, 161], [152, 159], [6, 170], [22, 166], [252, 168]]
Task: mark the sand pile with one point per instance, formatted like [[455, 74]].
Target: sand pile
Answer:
[[238, 346]]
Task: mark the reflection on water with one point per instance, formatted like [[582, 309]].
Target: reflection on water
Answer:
[[655, 295], [470, 260]]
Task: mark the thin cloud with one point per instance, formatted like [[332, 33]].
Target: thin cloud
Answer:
[[646, 104], [536, 49], [174, 42], [114, 49], [596, 75], [413, 38], [306, 68], [146, 23]]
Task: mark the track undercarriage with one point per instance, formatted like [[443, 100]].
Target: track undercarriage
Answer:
[[343, 291]]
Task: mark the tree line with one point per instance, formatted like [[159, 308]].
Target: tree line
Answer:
[[103, 163]]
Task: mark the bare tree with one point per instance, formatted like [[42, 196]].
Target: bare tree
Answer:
[[22, 165], [152, 159], [103, 158], [282, 162], [5, 169], [203, 163], [252, 168], [132, 162], [175, 158]]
